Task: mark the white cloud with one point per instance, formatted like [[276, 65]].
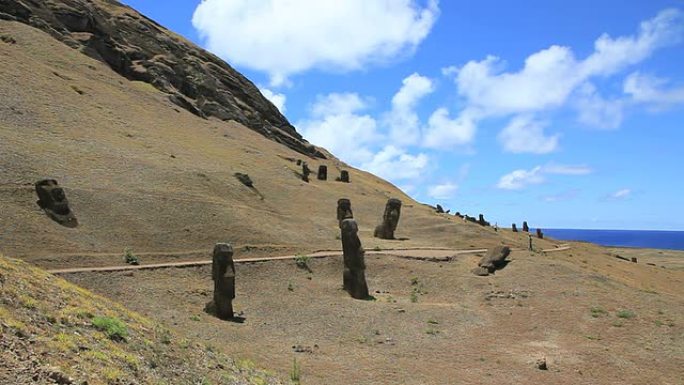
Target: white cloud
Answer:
[[651, 90], [277, 99], [519, 179], [403, 120], [550, 78], [442, 191], [526, 135], [621, 194], [595, 111], [337, 126], [283, 38], [444, 132], [396, 164]]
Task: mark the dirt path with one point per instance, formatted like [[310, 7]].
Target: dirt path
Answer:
[[430, 254]]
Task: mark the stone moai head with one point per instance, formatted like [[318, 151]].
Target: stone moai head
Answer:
[[344, 176], [344, 210], [305, 172], [392, 213], [526, 228], [540, 234], [322, 172], [349, 226], [514, 227], [222, 262], [53, 200]]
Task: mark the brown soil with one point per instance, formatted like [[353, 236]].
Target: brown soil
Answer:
[[594, 318]]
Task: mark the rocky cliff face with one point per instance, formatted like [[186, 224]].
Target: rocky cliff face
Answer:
[[140, 49]]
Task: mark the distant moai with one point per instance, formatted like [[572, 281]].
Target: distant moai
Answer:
[[354, 275], [390, 220], [481, 221], [526, 228], [53, 200], [514, 228], [223, 274], [540, 234], [305, 172], [322, 172], [344, 176], [440, 209], [344, 210], [299, 162], [495, 259]]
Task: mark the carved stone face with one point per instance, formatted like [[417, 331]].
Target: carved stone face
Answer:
[[392, 213], [52, 199], [349, 226], [344, 210], [223, 251]]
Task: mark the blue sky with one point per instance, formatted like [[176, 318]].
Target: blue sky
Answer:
[[564, 114]]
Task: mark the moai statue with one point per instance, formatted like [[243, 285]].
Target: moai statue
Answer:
[[481, 221], [390, 220], [344, 210], [305, 172], [299, 162], [344, 176], [322, 172], [52, 199], [540, 235], [514, 228], [223, 274], [526, 228], [354, 275], [495, 259], [440, 209]]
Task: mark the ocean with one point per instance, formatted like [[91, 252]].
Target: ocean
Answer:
[[673, 240]]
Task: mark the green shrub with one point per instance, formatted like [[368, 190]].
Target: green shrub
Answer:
[[302, 261], [626, 314], [131, 258], [296, 373], [113, 328]]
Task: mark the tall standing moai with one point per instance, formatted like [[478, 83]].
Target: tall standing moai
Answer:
[[526, 228], [53, 200], [390, 220], [354, 275], [305, 172], [540, 234], [223, 274], [322, 172], [344, 210], [514, 228], [344, 176]]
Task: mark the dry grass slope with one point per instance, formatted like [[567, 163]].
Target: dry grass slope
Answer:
[[53, 330]]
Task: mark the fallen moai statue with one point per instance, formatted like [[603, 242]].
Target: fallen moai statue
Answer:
[[344, 210], [390, 220], [322, 172], [354, 275], [223, 274], [493, 260], [244, 179], [53, 200]]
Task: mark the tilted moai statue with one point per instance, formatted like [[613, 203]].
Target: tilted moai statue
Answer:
[[223, 274], [305, 172], [495, 259], [390, 220], [344, 176], [53, 200], [514, 228], [354, 275], [344, 210], [540, 234], [481, 221], [526, 228], [322, 172], [439, 209]]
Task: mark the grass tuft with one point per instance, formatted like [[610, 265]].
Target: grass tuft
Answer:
[[113, 328]]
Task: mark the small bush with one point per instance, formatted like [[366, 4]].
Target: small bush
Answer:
[[302, 261], [131, 258], [597, 311], [113, 328], [626, 314]]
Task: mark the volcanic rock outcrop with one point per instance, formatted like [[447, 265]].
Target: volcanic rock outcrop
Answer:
[[139, 49]]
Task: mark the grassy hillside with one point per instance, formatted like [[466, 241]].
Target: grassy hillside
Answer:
[[54, 331], [140, 172]]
